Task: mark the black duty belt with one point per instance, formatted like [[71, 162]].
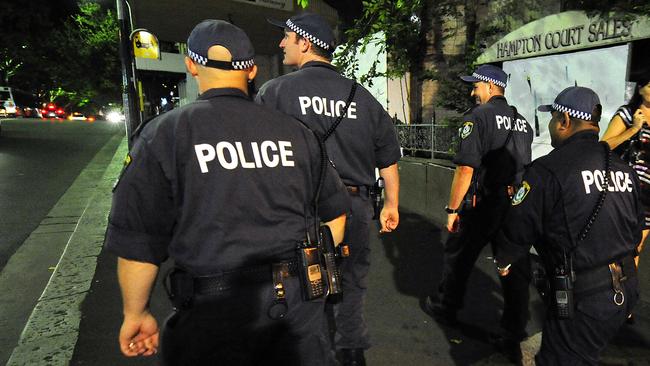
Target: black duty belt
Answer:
[[597, 279], [211, 285], [358, 190]]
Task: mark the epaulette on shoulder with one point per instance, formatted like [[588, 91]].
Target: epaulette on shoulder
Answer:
[[140, 127], [469, 110]]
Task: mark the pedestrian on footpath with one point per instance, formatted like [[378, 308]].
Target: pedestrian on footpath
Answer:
[[579, 206], [495, 145], [628, 133], [227, 189], [360, 136]]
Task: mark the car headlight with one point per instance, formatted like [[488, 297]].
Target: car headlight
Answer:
[[114, 117]]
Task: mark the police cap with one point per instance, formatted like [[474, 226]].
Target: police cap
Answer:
[[213, 32], [579, 102], [487, 73], [311, 26]]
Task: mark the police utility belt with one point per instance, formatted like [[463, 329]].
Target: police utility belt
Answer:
[[316, 266], [373, 192]]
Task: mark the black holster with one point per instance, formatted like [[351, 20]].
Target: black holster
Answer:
[[179, 286], [376, 198]]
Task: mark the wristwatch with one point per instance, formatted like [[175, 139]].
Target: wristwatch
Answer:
[[451, 210]]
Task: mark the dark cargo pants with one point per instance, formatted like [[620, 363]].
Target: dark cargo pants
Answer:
[[351, 328], [478, 227], [233, 329], [580, 340]]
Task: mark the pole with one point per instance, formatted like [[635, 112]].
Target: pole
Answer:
[[128, 91]]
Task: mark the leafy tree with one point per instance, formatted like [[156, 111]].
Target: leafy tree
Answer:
[[416, 29], [59, 52], [89, 39], [24, 27]]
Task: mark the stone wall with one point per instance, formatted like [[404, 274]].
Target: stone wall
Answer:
[[424, 187]]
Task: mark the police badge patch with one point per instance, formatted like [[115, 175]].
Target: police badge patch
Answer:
[[466, 130], [127, 162], [521, 193]]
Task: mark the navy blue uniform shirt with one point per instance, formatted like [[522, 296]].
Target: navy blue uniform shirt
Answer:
[[220, 184], [316, 94], [485, 129], [557, 198]]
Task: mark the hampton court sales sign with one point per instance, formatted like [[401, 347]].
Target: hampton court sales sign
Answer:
[[567, 31]]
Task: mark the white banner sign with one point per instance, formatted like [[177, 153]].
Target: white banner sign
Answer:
[[275, 4]]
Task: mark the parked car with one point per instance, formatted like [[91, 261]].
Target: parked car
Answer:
[[51, 110], [7, 104], [76, 116], [27, 104], [28, 112]]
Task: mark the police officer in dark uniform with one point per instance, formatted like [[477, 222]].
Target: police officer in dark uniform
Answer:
[[225, 188], [364, 140], [495, 144], [579, 206]]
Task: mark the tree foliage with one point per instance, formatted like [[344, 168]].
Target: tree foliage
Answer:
[[65, 54], [89, 41], [399, 22], [408, 25]]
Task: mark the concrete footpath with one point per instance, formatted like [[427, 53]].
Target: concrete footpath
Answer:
[[76, 319]]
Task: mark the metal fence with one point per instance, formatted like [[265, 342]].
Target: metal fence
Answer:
[[428, 140]]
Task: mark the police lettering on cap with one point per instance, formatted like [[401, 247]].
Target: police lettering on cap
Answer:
[[488, 74], [579, 102], [312, 27], [213, 32]]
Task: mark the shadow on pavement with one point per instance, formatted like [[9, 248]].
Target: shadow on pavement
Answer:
[[415, 251]]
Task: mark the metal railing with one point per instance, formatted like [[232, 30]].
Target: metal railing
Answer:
[[428, 140]]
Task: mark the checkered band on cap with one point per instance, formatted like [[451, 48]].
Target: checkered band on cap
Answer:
[[237, 65], [307, 35], [489, 79], [196, 57], [242, 65], [572, 112]]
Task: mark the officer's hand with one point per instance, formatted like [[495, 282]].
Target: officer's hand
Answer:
[[453, 222], [639, 119], [389, 219], [139, 335]]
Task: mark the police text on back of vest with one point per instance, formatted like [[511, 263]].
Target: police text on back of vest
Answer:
[[248, 156]]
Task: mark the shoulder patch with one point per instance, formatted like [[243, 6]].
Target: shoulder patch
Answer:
[[127, 162], [521, 194], [466, 129]]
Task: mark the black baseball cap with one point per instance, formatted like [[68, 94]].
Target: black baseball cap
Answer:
[[578, 102], [487, 73], [311, 26], [212, 32]]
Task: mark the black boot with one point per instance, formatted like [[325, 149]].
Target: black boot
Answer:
[[440, 313], [353, 357]]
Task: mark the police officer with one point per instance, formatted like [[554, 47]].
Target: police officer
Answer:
[[579, 206], [495, 144], [364, 140], [225, 188]]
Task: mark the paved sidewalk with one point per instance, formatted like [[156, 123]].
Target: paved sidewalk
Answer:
[[77, 319]]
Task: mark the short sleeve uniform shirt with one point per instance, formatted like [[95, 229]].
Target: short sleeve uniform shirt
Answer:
[[220, 184], [317, 94]]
